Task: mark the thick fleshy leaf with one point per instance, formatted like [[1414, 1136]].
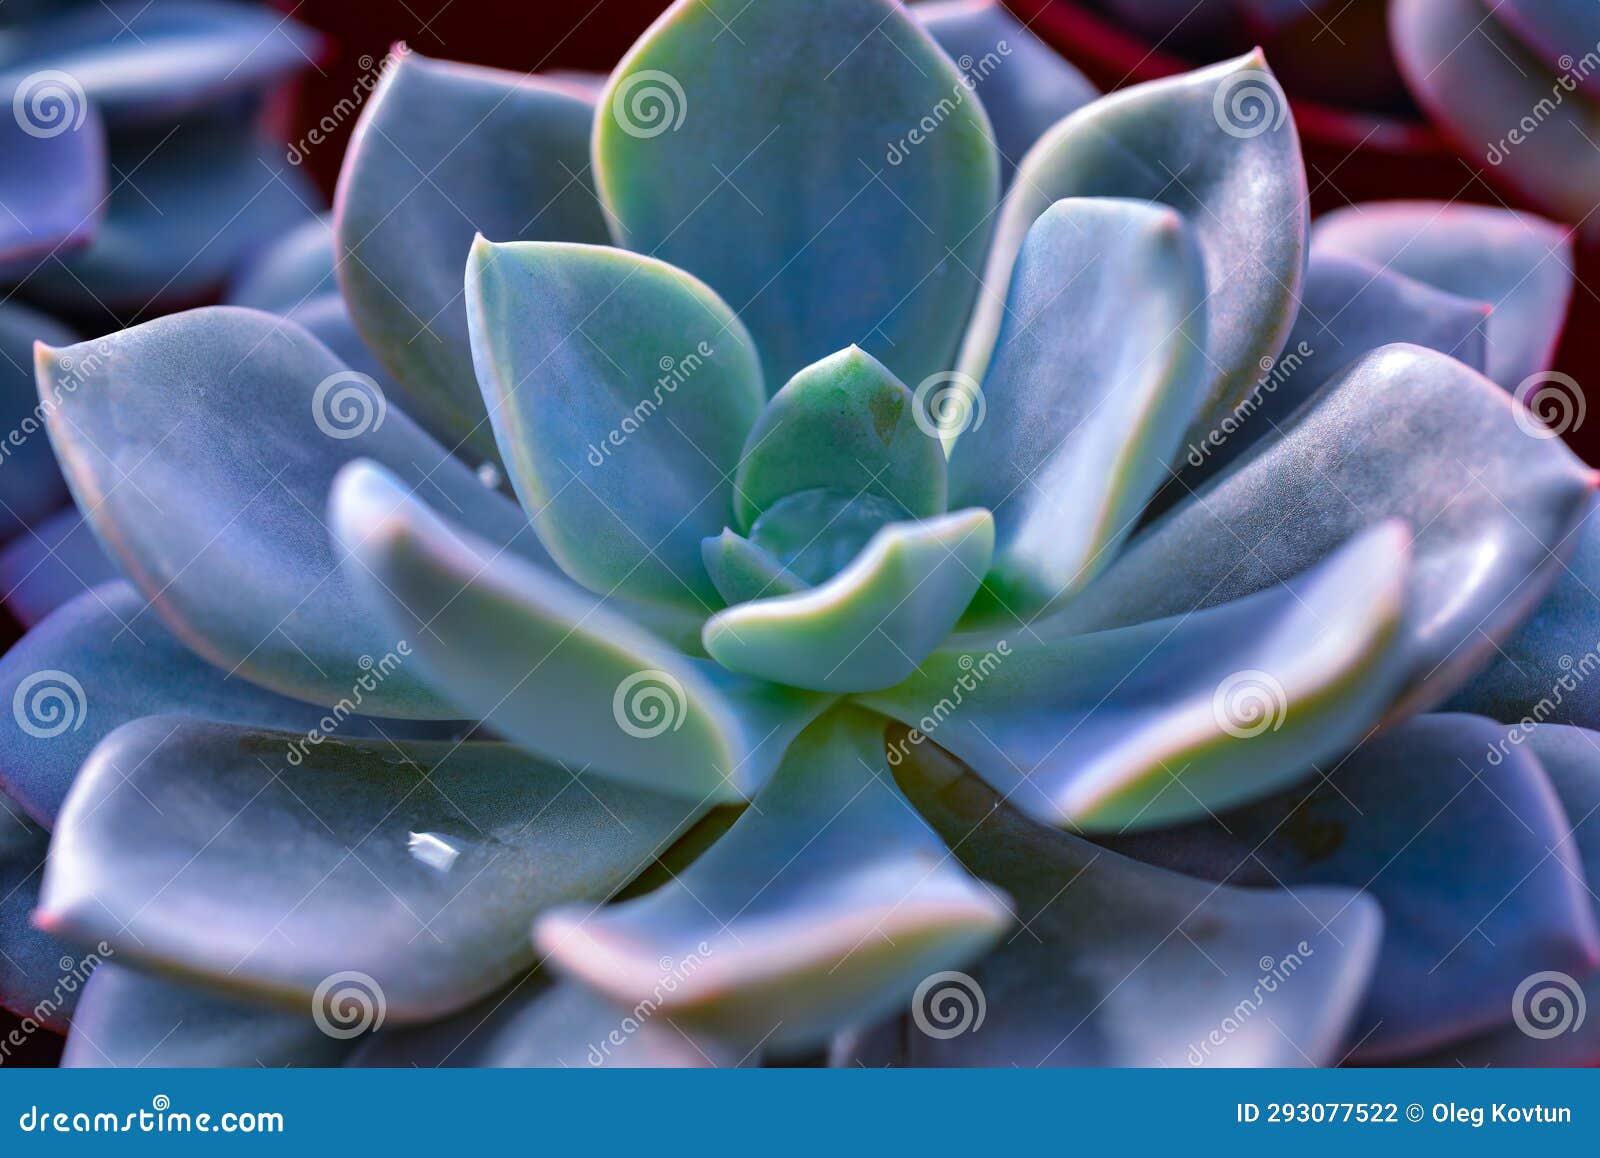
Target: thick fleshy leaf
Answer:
[[1157, 723], [1404, 433], [1218, 146], [824, 906], [129, 1019], [186, 205], [848, 423], [1557, 30], [30, 482], [551, 667], [740, 570], [1100, 367], [1127, 964], [1540, 674], [443, 151], [418, 865], [620, 390], [202, 447], [539, 1024], [1519, 264], [297, 268], [857, 219], [139, 61], [871, 624], [1348, 307], [1024, 85], [56, 561], [53, 183], [1459, 836], [40, 977], [1547, 1028], [1500, 104], [95, 664]]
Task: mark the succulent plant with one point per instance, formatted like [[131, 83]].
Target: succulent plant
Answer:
[[935, 625]]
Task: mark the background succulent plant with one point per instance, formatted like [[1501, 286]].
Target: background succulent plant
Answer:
[[970, 545]]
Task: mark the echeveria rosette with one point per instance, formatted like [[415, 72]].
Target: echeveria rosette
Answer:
[[833, 440]]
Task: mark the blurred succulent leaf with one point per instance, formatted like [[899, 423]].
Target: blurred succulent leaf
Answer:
[[52, 185], [40, 977], [620, 390], [825, 904], [295, 269], [444, 151], [739, 569], [31, 486], [55, 561], [855, 221], [417, 864]]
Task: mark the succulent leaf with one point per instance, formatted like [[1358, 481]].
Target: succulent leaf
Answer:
[[824, 219], [39, 976], [1099, 369], [740, 569], [620, 390], [297, 268], [418, 864], [31, 485], [54, 561], [823, 906], [444, 151], [52, 187], [1156, 723]]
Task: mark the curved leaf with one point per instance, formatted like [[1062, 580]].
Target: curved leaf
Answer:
[[40, 978], [740, 570], [53, 184], [836, 143], [295, 269], [56, 561], [31, 485], [416, 871], [441, 152], [1156, 723], [202, 447], [620, 390]]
